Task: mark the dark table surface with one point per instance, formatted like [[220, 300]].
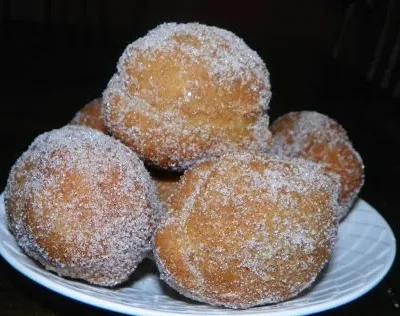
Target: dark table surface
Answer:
[[48, 75]]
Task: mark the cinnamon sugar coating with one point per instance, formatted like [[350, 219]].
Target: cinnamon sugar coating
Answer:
[[246, 230], [186, 92], [91, 115], [82, 204], [166, 183], [314, 136]]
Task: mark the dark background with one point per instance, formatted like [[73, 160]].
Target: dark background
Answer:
[[55, 56]]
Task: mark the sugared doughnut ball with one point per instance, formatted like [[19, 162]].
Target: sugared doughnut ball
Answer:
[[166, 183], [91, 115], [188, 91], [244, 230], [81, 204], [314, 136]]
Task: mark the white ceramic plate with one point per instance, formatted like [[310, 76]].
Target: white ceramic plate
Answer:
[[364, 252]]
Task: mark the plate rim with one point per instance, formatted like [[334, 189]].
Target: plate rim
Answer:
[[133, 310]]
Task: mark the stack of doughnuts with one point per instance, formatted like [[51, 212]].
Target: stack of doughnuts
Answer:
[[177, 160]]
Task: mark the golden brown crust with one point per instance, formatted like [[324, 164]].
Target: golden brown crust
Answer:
[[166, 183], [91, 115], [287, 127], [81, 204], [340, 159], [188, 91], [244, 230], [314, 136]]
